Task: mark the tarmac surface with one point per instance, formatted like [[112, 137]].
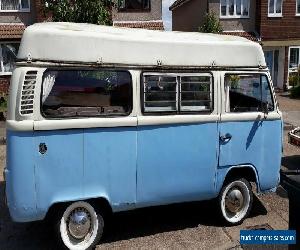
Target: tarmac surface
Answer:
[[181, 226]]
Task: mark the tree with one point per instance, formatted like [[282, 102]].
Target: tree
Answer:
[[80, 11], [211, 24]]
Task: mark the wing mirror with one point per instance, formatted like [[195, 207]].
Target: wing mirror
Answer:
[[265, 107]]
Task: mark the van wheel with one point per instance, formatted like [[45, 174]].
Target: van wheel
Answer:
[[235, 201], [80, 226]]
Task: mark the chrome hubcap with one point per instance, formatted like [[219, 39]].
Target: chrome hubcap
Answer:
[[234, 201], [79, 223]]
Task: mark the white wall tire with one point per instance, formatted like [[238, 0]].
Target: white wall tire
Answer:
[[235, 201], [80, 226]]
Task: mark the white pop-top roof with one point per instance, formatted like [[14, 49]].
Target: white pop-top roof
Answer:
[[87, 43]]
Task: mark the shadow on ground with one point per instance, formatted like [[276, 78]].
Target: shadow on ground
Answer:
[[291, 162], [122, 226]]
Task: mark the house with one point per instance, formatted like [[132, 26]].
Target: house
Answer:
[[275, 24], [15, 16], [146, 14]]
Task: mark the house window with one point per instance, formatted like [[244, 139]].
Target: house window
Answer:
[[14, 5], [177, 93], [86, 93], [138, 5], [294, 58], [298, 7], [234, 8], [8, 54], [275, 8]]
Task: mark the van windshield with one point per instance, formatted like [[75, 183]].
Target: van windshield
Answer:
[[86, 93]]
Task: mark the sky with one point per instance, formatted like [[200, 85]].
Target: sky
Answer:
[[166, 14]]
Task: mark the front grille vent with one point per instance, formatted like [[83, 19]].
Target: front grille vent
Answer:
[[27, 95]]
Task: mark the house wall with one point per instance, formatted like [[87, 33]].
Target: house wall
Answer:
[[280, 80], [189, 16], [235, 24], [26, 18], [279, 28], [155, 13]]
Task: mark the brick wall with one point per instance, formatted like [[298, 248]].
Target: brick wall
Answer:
[[4, 84], [279, 28]]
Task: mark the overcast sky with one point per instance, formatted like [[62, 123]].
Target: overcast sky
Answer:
[[166, 14]]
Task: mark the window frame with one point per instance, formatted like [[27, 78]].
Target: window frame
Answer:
[[297, 3], [290, 69], [134, 10], [226, 93], [49, 117], [178, 93], [274, 14], [20, 9], [227, 16], [2, 72]]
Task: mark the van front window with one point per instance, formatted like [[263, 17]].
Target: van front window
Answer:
[[248, 93], [86, 93]]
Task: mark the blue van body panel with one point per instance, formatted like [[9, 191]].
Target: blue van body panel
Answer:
[[110, 165], [59, 171], [255, 143], [137, 166], [176, 163], [20, 177]]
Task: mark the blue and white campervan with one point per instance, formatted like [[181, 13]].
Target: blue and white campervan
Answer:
[[105, 119]]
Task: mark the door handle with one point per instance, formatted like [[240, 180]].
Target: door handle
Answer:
[[225, 138]]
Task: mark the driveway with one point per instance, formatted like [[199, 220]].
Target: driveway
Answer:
[[290, 109]]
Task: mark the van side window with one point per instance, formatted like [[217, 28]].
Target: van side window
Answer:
[[86, 93], [177, 93], [248, 93], [160, 93], [195, 93]]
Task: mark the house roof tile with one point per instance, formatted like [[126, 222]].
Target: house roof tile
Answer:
[[249, 35], [177, 3], [150, 25], [11, 31]]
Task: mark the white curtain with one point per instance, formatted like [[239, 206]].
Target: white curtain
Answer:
[[48, 83]]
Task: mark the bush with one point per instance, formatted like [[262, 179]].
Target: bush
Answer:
[[3, 103], [80, 11], [294, 80], [295, 92], [211, 24]]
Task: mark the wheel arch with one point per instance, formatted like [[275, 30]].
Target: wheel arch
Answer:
[[248, 172], [99, 203]]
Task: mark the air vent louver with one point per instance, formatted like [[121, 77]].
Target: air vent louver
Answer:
[[27, 95]]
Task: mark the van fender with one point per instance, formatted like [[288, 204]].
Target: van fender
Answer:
[[222, 173]]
